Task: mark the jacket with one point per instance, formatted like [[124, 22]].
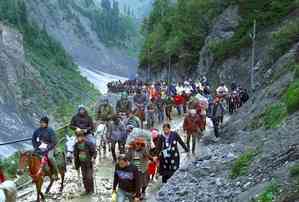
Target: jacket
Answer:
[[86, 150], [82, 122], [123, 106], [126, 178], [192, 124], [105, 112], [46, 135]]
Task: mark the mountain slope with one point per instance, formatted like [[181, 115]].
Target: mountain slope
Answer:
[[37, 77], [96, 37]]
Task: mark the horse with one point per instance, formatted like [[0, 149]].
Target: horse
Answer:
[[38, 172], [140, 113], [69, 146], [8, 191], [101, 135]]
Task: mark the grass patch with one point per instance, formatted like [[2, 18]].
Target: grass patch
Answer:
[[269, 194], [241, 165], [296, 69], [294, 171], [291, 97], [274, 115]]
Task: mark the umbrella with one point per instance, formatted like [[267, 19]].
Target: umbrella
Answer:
[[139, 133]]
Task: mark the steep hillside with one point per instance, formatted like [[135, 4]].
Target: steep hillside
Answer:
[[95, 33], [37, 77], [256, 158]]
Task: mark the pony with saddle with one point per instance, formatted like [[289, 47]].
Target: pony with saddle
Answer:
[[39, 168]]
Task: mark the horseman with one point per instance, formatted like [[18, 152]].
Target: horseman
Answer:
[[124, 105], [44, 143], [222, 90], [84, 122], [140, 100], [105, 111], [117, 135]]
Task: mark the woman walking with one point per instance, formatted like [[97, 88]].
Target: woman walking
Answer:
[[169, 152]]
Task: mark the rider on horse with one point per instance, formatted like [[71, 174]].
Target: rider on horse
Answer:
[[44, 143], [105, 111], [84, 122], [124, 105]]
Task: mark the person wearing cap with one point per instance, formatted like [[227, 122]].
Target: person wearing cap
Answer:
[[44, 142], [85, 155], [126, 180], [138, 155], [84, 122], [105, 111], [124, 105]]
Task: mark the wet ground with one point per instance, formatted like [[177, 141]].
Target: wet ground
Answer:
[[104, 179]]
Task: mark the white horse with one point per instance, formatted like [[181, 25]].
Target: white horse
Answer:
[[70, 143], [101, 135], [8, 191]]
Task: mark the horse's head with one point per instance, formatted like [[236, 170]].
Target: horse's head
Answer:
[[23, 162], [101, 130]]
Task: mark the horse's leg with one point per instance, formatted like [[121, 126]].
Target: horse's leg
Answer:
[[50, 185], [100, 153], [62, 175], [38, 185]]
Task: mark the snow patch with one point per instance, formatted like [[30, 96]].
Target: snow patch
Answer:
[[100, 79]]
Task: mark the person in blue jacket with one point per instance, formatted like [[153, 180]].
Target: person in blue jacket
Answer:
[[44, 143]]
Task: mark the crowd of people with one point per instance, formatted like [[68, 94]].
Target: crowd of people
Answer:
[[139, 150]]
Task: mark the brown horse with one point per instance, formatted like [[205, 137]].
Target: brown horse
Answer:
[[140, 113], [33, 161]]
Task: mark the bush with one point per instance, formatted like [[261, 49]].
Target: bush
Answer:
[[291, 97], [241, 165], [296, 69], [274, 115], [294, 171], [269, 194]]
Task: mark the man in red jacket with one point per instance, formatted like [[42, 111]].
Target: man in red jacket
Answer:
[[178, 101], [193, 125]]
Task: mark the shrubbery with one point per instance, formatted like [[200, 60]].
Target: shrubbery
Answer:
[[241, 165]]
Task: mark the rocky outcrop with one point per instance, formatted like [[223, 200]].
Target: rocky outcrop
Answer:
[[223, 29], [16, 118]]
